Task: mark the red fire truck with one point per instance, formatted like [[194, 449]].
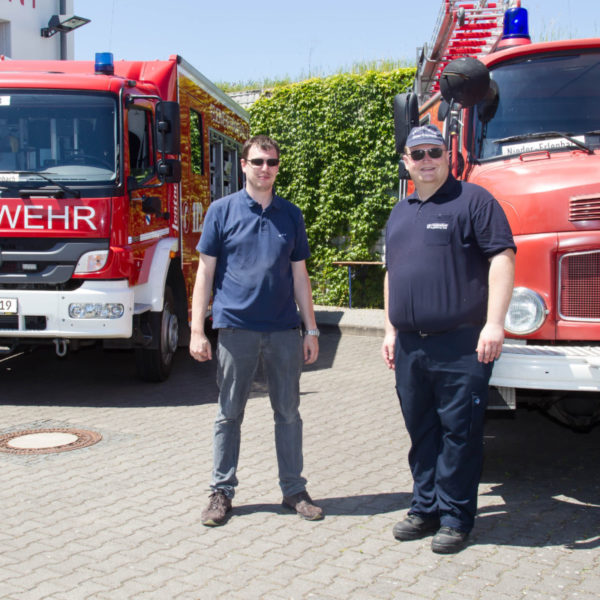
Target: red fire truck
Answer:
[[106, 170], [523, 122]]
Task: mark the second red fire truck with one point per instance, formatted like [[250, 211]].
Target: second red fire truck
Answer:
[[523, 122]]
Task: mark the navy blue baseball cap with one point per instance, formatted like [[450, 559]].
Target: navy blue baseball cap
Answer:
[[425, 134]]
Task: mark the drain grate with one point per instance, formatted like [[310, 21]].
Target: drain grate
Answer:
[[47, 441]]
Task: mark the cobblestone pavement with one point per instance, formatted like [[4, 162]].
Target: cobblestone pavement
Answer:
[[120, 519]]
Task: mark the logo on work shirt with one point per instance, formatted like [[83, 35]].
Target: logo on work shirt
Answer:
[[443, 226]]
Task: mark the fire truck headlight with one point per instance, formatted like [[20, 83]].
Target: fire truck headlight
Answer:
[[90, 310], [526, 312], [91, 261]]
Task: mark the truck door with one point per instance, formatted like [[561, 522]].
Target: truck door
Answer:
[[148, 211]]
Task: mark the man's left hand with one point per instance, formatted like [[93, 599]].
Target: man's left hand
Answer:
[[489, 346], [311, 349]]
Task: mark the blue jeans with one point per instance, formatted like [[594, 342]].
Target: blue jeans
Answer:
[[443, 392], [238, 354]]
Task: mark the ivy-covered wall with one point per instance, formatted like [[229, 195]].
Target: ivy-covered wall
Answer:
[[338, 164]]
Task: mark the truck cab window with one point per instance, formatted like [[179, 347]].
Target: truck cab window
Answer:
[[70, 137], [139, 131], [9, 146], [540, 95]]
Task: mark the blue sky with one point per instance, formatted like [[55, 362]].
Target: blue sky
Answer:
[[235, 41]]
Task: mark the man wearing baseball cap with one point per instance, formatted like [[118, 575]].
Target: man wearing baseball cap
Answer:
[[450, 270]]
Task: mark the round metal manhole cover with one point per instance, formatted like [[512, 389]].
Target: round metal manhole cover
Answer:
[[47, 441]]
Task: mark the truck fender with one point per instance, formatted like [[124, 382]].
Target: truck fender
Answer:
[[150, 294]]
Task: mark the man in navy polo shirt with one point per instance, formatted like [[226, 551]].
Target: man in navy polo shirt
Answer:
[[252, 259], [450, 269]]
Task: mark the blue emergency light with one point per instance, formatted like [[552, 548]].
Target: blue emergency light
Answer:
[[515, 23], [104, 63]]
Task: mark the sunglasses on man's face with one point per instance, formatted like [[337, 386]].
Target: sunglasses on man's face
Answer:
[[259, 162], [417, 155]]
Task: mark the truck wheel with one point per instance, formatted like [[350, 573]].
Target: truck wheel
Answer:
[[578, 411], [154, 364]]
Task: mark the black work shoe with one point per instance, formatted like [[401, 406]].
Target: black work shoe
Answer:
[[414, 527], [303, 505], [216, 511], [448, 540]]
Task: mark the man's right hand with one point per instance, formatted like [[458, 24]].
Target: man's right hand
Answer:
[[200, 347]]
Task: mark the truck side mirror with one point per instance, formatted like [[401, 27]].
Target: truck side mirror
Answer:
[[464, 80], [403, 173], [406, 116], [168, 127], [169, 170], [443, 110], [486, 109]]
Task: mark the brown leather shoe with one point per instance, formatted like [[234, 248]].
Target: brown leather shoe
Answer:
[[303, 505], [216, 511]]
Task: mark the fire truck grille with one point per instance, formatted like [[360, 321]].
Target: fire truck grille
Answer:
[[39, 262], [30, 323], [10, 322], [584, 208], [579, 293]]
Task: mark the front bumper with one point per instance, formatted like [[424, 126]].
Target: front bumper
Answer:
[[51, 308], [573, 368]]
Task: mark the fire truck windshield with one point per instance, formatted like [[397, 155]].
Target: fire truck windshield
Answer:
[[542, 103], [69, 137]]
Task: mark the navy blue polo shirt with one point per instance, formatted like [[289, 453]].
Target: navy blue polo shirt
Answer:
[[253, 285], [437, 257]]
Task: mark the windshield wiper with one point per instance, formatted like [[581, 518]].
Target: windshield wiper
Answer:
[[59, 186], [544, 135]]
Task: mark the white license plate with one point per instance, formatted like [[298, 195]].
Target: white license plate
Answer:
[[8, 306]]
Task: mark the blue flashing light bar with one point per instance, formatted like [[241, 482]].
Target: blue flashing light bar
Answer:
[[516, 23], [104, 63]]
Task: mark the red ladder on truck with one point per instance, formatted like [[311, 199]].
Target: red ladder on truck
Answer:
[[462, 29]]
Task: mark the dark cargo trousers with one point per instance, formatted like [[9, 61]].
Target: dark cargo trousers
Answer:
[[443, 393]]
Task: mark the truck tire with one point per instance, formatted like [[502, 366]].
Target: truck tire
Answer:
[[580, 411], [154, 364]]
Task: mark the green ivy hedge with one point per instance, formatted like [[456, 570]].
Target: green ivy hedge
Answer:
[[338, 164]]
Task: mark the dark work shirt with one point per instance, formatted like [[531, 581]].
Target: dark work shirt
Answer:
[[437, 257], [253, 286]]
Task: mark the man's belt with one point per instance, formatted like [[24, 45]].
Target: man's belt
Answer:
[[425, 334]]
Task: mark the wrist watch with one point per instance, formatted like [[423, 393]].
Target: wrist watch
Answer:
[[314, 332]]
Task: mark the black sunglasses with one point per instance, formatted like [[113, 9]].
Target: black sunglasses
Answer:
[[259, 162], [417, 155]]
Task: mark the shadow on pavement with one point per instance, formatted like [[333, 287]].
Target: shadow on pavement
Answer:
[[362, 505], [547, 479], [94, 377], [328, 346]]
